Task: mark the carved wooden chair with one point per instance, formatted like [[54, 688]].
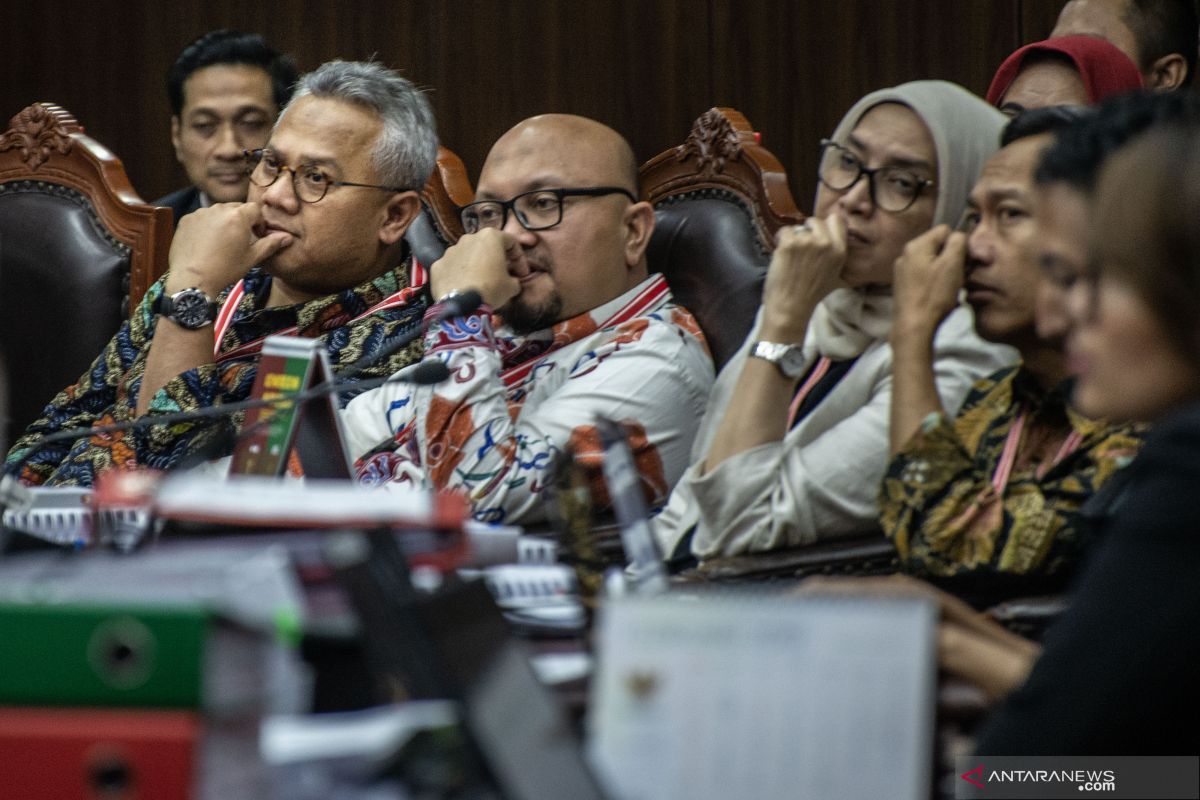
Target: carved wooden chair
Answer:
[[447, 190], [719, 197], [78, 247]]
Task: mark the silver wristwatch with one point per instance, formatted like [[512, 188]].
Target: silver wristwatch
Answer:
[[787, 358], [190, 308]]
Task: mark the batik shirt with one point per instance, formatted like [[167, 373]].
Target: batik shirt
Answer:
[[496, 429], [938, 502], [108, 392]]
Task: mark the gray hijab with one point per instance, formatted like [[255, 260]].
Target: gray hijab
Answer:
[[966, 133]]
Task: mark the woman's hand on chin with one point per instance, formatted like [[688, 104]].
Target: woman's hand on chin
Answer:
[[805, 267]]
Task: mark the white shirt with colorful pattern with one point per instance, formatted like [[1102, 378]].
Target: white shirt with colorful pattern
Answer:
[[498, 426]]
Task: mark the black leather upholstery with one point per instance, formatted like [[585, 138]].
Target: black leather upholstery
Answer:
[[424, 239], [63, 285], [705, 246]]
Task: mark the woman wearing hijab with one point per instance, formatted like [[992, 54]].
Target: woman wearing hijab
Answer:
[[795, 440], [1067, 71]]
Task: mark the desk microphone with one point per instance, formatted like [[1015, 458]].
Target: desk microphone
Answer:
[[423, 374], [460, 304], [457, 305]]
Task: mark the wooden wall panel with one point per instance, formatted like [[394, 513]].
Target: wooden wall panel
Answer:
[[799, 67], [647, 67], [641, 67], [1038, 17]]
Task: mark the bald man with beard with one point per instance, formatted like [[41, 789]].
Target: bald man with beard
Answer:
[[571, 326]]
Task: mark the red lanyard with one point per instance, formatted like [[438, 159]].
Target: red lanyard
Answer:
[[1008, 456], [418, 277], [818, 371]]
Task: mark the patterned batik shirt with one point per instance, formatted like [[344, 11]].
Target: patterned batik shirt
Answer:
[[942, 511], [352, 322], [513, 404]]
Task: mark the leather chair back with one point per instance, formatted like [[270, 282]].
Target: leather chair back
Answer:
[[438, 226], [77, 248], [719, 199]]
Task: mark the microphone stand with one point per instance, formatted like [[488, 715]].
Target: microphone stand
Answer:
[[424, 373]]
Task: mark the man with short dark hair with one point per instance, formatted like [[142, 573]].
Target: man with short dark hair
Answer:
[[555, 246], [226, 90], [1066, 179], [1160, 36], [317, 251], [988, 500]]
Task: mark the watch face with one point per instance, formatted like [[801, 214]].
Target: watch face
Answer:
[[191, 309], [791, 363]]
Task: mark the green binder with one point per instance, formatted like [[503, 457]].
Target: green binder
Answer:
[[102, 655]]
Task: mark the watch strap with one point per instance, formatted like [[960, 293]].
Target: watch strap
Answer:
[[167, 306], [787, 358]]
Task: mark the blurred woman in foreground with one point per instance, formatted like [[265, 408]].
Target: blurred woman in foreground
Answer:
[[1116, 675]]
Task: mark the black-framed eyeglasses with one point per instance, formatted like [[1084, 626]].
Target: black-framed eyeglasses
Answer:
[[892, 189], [310, 181], [536, 210]]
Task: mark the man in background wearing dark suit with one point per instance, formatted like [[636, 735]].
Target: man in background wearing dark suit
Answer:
[[226, 89]]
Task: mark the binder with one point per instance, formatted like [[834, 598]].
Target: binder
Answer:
[[94, 754], [106, 655], [186, 626]]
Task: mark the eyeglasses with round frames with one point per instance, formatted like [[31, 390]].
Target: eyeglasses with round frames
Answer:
[[536, 210], [892, 189], [308, 180]]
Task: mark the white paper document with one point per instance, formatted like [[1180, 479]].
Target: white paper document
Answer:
[[764, 696]]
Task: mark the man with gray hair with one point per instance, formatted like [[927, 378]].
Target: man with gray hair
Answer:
[[316, 251]]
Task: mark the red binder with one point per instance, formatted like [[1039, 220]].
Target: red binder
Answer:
[[94, 754]]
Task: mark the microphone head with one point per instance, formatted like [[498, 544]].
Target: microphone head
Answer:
[[427, 373], [460, 304]]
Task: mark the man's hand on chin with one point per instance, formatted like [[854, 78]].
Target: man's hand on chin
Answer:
[[215, 246], [489, 261]]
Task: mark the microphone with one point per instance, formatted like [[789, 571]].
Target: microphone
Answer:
[[460, 304], [424, 373], [456, 305]]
